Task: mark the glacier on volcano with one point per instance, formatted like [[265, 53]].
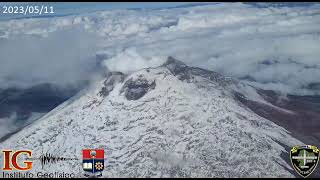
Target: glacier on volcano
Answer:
[[173, 120]]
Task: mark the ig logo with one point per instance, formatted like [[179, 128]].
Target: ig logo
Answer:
[[10, 160]]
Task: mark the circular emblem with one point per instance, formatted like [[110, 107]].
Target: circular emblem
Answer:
[[93, 153], [99, 166]]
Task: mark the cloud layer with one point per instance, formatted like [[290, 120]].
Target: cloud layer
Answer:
[[272, 47], [64, 57]]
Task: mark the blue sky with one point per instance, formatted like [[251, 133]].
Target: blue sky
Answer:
[[66, 8]]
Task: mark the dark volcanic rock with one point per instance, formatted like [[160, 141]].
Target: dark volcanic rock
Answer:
[[303, 122], [109, 83], [177, 68], [184, 72], [135, 89]]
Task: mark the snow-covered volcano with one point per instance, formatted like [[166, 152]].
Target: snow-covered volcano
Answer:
[[170, 121]]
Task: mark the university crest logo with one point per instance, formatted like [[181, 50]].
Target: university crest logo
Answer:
[[93, 162]]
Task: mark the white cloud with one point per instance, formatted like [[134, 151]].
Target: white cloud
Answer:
[[7, 125], [11, 124], [64, 57], [277, 46], [130, 60]]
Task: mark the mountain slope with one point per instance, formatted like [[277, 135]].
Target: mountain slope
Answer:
[[169, 121], [20, 106]]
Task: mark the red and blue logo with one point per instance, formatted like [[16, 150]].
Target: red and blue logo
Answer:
[[93, 160]]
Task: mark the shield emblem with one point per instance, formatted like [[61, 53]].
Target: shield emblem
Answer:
[[93, 160], [304, 159]]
